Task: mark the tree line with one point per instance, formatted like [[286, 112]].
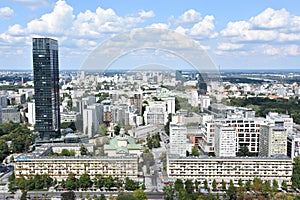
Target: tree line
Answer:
[[194, 190], [263, 106]]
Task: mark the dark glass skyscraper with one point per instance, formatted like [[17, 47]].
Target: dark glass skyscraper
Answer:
[[46, 87]]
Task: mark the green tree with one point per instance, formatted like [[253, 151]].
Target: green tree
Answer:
[[117, 129], [140, 194], [71, 182], [248, 185], [266, 190], [196, 183], [95, 197], [102, 197], [4, 150], [178, 185], [257, 185], [205, 183], [223, 185], [231, 191], [195, 151], [240, 182], [102, 130], [189, 186], [88, 195], [284, 185], [71, 125], [296, 173], [83, 150], [182, 194], [84, 181], [130, 184], [169, 192], [275, 185], [214, 185]]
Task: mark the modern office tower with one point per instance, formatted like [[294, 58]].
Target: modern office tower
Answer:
[[202, 85], [272, 140], [225, 140], [178, 137], [46, 87]]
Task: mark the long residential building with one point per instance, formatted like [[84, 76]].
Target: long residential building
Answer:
[[202, 168], [61, 166]]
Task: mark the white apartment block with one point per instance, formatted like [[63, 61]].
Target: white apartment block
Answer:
[[59, 167], [156, 114], [68, 116], [90, 122], [204, 101], [225, 140], [245, 168], [178, 139], [31, 113], [273, 140], [282, 120]]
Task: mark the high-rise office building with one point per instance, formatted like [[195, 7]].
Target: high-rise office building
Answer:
[[272, 140], [46, 87]]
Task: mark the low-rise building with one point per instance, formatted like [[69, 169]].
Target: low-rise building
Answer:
[[60, 167], [202, 168], [122, 145]]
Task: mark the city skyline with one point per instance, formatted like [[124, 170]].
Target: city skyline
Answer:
[[243, 35]]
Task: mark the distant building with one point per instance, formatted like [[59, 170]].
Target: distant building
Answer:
[[12, 114], [136, 100], [293, 146], [178, 139], [272, 140], [225, 140], [156, 114], [46, 87], [3, 101], [281, 120]]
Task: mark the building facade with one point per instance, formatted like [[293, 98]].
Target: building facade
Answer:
[[225, 140], [273, 140], [59, 167], [245, 168], [178, 139], [46, 87]]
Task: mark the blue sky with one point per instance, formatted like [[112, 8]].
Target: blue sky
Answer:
[[249, 34]]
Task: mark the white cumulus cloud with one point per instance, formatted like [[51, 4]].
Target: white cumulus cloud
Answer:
[[204, 28], [269, 25], [6, 12], [57, 22], [190, 16]]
